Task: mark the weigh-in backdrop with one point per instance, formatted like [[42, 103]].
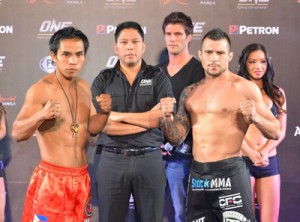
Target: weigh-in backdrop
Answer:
[[26, 26]]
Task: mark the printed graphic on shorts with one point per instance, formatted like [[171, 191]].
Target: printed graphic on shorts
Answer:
[[88, 209], [199, 220], [233, 216], [215, 184], [40, 218], [231, 201]]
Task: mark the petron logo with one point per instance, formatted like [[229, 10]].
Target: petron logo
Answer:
[[231, 201], [198, 29], [75, 2], [211, 184], [50, 2], [9, 101], [233, 216], [105, 29], [253, 30], [120, 4], [110, 29], [180, 2], [1, 62], [253, 4], [48, 27], [46, 64], [6, 29]]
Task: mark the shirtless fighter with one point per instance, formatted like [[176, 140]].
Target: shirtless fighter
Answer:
[[219, 110]]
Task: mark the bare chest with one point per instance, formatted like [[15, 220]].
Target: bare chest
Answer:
[[205, 100]]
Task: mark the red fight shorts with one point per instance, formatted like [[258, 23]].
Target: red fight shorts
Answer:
[[58, 194]]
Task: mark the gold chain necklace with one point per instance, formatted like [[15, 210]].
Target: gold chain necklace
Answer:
[[74, 126]]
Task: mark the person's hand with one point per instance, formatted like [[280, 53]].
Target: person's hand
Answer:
[[265, 158], [164, 150], [167, 106], [51, 110], [104, 101], [248, 110], [258, 159]]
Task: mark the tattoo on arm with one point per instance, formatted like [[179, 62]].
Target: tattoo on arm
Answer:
[[177, 130]]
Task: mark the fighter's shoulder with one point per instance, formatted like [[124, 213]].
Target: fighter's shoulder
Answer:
[[42, 85], [241, 82], [83, 85], [188, 89], [82, 82], [246, 87]]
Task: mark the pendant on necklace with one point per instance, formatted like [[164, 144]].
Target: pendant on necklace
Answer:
[[75, 128]]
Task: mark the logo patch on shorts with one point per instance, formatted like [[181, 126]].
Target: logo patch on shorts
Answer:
[[233, 216], [40, 218], [231, 201], [88, 208], [199, 220]]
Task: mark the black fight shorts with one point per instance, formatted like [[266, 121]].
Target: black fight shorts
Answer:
[[219, 192]]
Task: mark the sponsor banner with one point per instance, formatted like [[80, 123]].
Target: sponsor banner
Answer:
[[103, 29], [297, 131], [253, 4], [180, 2], [120, 4], [2, 58], [46, 64], [48, 27], [6, 29], [253, 30], [8, 101]]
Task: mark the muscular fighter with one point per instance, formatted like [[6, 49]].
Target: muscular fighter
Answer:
[[219, 110], [58, 109]]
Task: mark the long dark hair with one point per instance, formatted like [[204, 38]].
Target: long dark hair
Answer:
[[272, 91]]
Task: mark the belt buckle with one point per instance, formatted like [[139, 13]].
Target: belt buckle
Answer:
[[134, 152], [129, 152]]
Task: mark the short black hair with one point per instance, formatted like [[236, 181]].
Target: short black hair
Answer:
[[67, 33], [128, 25], [216, 34]]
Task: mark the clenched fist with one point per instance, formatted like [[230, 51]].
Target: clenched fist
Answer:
[[104, 101], [167, 106], [51, 110]]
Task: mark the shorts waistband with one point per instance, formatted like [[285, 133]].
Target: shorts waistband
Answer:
[[222, 164], [63, 170], [129, 151]]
